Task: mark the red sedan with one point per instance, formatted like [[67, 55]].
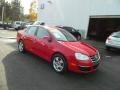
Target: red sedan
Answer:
[[60, 48]]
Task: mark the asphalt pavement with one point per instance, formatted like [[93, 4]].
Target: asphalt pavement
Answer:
[[29, 72]]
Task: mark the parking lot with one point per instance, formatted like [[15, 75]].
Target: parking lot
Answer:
[[29, 72]]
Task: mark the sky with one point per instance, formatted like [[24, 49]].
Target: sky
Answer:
[[25, 4]]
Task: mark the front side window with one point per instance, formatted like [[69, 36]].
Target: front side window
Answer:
[[42, 32], [31, 30], [62, 35]]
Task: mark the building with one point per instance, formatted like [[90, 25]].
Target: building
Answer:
[[91, 17]]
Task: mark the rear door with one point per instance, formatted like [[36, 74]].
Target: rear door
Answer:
[[29, 38], [42, 46]]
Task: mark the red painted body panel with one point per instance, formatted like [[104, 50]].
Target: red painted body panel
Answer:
[[46, 50]]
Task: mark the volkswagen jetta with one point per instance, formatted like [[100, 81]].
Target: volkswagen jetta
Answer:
[[58, 47]]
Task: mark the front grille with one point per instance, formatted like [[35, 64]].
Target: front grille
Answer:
[[85, 68], [95, 58]]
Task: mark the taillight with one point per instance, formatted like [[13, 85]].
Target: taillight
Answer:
[[109, 38]]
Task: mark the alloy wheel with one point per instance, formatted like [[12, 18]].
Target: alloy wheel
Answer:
[[58, 64], [21, 46]]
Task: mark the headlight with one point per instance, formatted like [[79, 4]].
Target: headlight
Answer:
[[80, 56]]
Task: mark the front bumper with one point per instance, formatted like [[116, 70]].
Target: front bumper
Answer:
[[85, 69], [85, 66], [111, 44]]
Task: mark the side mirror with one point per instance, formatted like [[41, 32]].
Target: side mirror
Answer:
[[48, 38]]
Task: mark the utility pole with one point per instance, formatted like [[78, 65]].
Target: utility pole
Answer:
[[3, 9]]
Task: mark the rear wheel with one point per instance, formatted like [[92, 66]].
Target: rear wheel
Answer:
[[59, 63], [21, 47]]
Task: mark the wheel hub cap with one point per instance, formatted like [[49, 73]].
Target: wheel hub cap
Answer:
[[58, 64], [20, 46]]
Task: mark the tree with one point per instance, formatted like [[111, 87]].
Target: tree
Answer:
[[15, 10], [1, 7], [7, 12], [32, 12], [12, 11]]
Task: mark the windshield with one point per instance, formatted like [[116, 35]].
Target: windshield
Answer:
[[62, 35], [116, 34]]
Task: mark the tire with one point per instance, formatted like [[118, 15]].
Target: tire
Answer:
[[59, 63], [21, 47]]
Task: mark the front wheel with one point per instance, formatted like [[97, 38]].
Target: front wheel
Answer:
[[59, 63]]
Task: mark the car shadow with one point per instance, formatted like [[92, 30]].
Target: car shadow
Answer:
[[29, 72], [21, 68]]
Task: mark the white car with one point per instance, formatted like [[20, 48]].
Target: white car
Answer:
[[17, 25], [113, 41]]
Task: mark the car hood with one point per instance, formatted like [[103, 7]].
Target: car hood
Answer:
[[80, 47]]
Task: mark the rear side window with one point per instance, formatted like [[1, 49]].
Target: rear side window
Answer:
[[31, 30], [117, 35], [42, 32]]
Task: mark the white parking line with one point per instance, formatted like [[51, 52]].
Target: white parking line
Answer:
[[8, 40]]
